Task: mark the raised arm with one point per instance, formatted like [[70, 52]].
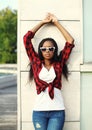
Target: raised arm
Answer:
[[41, 23], [30, 34], [64, 32]]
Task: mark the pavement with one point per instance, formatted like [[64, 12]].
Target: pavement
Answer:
[[8, 108]]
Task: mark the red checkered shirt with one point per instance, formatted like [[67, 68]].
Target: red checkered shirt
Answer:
[[37, 65]]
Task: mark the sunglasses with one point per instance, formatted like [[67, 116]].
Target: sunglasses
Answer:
[[47, 49]]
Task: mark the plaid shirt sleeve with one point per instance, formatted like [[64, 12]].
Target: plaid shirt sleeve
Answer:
[[66, 51], [29, 47]]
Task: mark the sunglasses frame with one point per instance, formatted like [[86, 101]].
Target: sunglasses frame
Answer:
[[51, 49]]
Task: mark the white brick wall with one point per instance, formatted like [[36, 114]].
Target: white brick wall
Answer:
[[69, 13]]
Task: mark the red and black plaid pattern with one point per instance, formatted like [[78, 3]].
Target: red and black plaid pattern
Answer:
[[37, 65]]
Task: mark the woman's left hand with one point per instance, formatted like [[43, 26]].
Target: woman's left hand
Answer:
[[47, 19], [53, 18]]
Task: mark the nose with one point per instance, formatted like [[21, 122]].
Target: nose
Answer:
[[47, 50]]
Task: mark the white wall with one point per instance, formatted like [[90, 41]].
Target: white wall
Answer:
[[86, 100], [87, 30], [69, 13]]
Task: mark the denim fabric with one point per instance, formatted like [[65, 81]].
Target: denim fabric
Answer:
[[48, 120]]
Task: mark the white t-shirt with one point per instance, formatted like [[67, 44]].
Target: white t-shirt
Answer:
[[43, 100]]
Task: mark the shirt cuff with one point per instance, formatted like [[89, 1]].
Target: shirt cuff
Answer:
[[70, 44], [31, 34]]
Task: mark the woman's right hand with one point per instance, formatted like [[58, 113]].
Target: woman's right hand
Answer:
[[47, 19], [53, 18], [50, 18]]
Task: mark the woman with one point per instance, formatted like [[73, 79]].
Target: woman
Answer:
[[47, 68]]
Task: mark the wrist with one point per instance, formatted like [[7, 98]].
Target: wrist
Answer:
[[42, 23], [56, 22]]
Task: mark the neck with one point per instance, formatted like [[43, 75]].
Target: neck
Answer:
[[47, 62]]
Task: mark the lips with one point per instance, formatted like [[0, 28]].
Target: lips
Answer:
[[47, 55]]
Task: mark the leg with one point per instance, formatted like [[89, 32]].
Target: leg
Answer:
[[39, 120], [56, 120]]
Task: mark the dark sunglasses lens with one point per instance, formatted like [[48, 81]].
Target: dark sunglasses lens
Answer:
[[43, 49], [51, 49]]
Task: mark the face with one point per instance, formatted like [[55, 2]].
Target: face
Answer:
[[47, 50]]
